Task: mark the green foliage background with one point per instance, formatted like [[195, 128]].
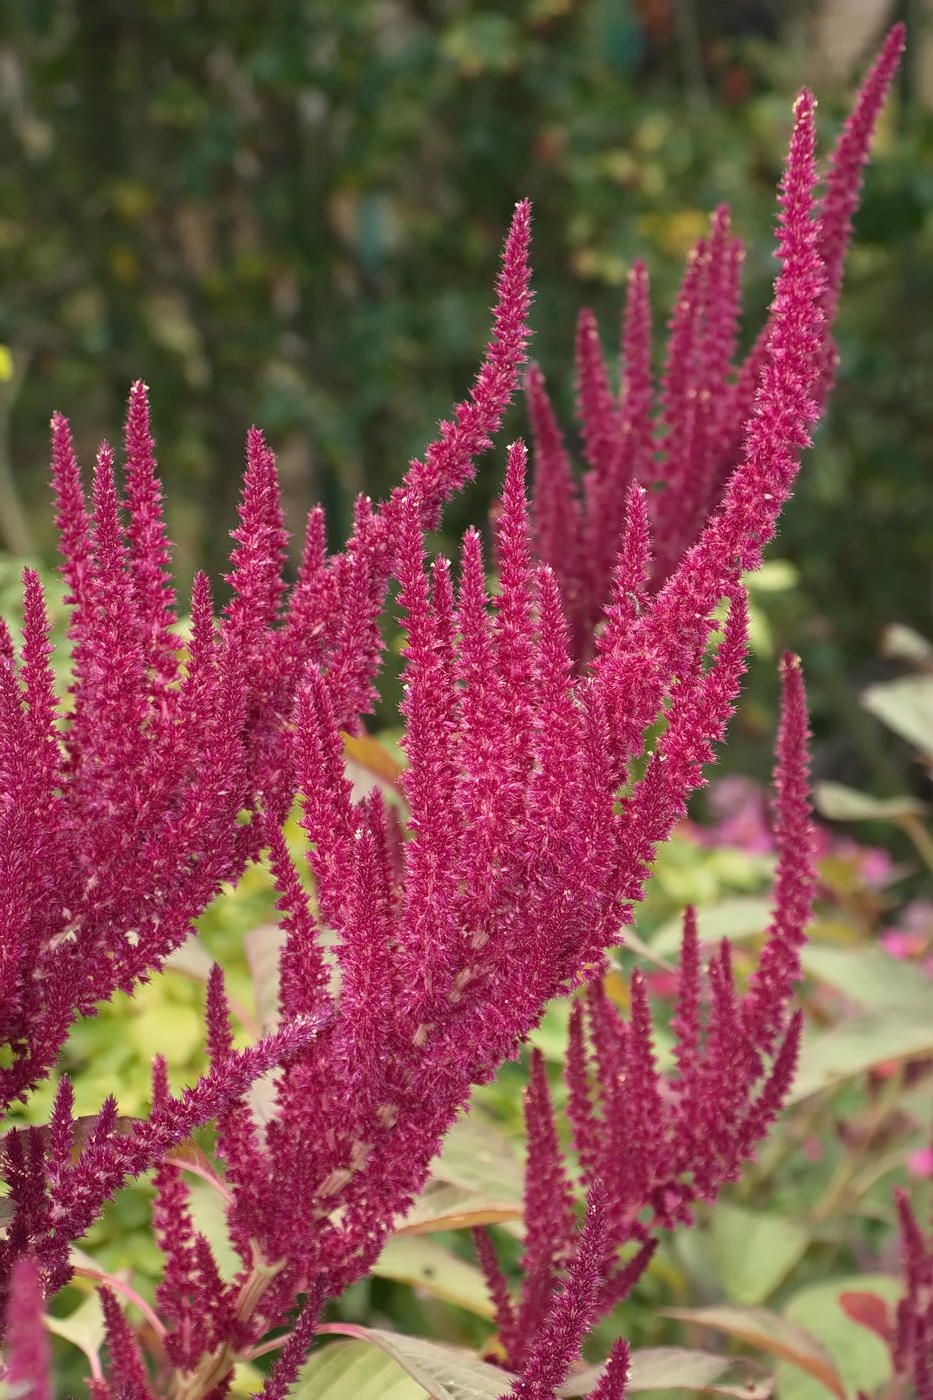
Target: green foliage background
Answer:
[[292, 215]]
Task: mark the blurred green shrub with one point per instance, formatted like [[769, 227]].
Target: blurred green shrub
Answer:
[[290, 215]]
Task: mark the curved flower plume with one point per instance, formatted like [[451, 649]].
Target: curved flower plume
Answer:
[[648, 1141], [688, 454]]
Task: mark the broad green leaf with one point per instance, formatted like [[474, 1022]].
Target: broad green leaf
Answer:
[[444, 1207], [447, 1374], [851, 1048], [354, 1371], [778, 1336], [678, 1368], [869, 976], [166, 1028], [84, 1327], [844, 804], [774, 576], [906, 706], [478, 1156], [429, 1267], [862, 1359], [732, 918], [755, 1251], [444, 1373], [210, 1217]]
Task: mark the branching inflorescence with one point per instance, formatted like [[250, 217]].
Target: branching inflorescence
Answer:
[[686, 451], [533, 809]]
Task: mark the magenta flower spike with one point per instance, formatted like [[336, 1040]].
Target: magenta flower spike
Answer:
[[560, 1335], [697, 441], [658, 1143], [26, 1369], [912, 1343]]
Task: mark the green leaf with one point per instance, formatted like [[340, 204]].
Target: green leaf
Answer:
[[847, 1050], [732, 918], [444, 1207], [862, 1359], [447, 1374], [444, 1373], [550, 1037], [869, 976], [166, 1028], [354, 1371], [776, 1335], [755, 1251], [844, 804], [478, 1156], [429, 1267], [678, 1368], [906, 706], [210, 1217], [84, 1327], [774, 576]]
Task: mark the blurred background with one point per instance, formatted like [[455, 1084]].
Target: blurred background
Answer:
[[292, 213]]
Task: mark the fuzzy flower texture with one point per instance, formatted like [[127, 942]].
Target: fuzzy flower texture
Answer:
[[534, 804]]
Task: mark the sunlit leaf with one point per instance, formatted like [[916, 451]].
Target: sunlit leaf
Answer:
[[354, 1371], [847, 1050], [732, 918], [906, 706], [84, 1327], [844, 804], [678, 1368], [904, 644], [447, 1374], [870, 977], [428, 1266], [776, 1335], [442, 1206], [476, 1155], [444, 1373]]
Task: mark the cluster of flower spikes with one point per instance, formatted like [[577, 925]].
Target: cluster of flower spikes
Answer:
[[686, 449], [530, 840], [127, 806], [650, 1145]]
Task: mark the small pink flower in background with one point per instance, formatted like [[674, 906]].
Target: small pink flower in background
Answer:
[[741, 817], [920, 1163], [740, 811], [912, 939], [663, 983], [873, 864]]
